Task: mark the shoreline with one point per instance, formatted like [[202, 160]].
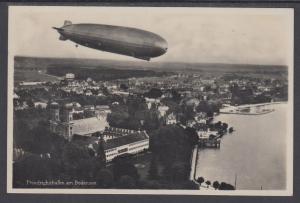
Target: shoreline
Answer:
[[193, 162], [234, 109]]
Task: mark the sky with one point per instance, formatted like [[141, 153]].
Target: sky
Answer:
[[204, 35]]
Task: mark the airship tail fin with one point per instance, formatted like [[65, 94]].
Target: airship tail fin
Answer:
[[67, 22]]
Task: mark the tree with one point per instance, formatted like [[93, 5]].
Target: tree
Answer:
[[153, 169], [118, 115], [200, 180], [216, 185], [208, 183], [226, 186], [104, 178], [225, 126], [77, 161], [192, 135], [123, 86], [170, 144], [100, 151], [30, 103], [175, 95], [154, 93], [34, 168], [178, 171], [122, 165], [152, 184], [127, 182]]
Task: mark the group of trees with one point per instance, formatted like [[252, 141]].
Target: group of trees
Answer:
[[218, 126], [208, 108], [125, 173], [216, 185], [36, 138], [99, 73], [246, 96], [171, 146], [68, 162], [134, 115]]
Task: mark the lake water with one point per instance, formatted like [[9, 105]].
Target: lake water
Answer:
[[255, 152]]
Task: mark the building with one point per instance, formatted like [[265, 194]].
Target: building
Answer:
[[118, 141], [65, 125], [102, 111], [131, 143], [120, 93], [113, 132], [151, 101], [171, 119], [191, 123], [201, 117], [16, 96], [70, 76], [88, 93], [209, 139], [42, 105], [162, 110], [31, 83]]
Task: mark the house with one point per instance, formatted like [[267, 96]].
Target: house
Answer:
[[201, 117], [190, 123], [21, 106], [70, 76], [209, 139], [102, 111], [16, 96], [171, 119], [162, 110], [113, 132], [151, 101], [120, 93], [42, 105], [88, 93]]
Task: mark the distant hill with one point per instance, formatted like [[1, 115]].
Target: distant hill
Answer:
[[22, 62]]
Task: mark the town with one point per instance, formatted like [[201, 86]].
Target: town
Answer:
[[135, 132]]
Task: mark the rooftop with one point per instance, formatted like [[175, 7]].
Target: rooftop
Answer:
[[126, 139], [88, 125]]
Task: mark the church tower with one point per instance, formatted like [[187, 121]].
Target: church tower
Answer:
[[54, 116]]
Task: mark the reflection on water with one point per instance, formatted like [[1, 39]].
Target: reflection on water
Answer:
[[255, 151]]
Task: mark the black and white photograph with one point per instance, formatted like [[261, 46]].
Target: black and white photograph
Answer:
[[150, 100]]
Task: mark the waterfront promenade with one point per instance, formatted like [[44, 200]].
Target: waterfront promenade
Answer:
[[249, 109], [241, 151], [194, 164]]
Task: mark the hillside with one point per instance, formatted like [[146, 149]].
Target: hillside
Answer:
[[42, 63]]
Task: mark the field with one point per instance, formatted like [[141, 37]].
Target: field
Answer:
[[33, 76], [110, 69]]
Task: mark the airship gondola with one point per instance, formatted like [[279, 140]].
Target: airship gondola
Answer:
[[127, 41]]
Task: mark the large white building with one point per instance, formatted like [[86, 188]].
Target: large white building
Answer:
[[131, 143]]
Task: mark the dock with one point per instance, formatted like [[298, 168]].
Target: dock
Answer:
[[210, 143]]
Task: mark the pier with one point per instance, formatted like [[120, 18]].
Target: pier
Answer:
[[249, 109], [210, 143], [209, 139]]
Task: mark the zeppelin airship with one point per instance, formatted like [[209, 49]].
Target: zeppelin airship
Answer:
[[127, 41]]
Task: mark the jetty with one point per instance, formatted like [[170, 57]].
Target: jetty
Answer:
[[210, 143], [249, 109], [209, 139]]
